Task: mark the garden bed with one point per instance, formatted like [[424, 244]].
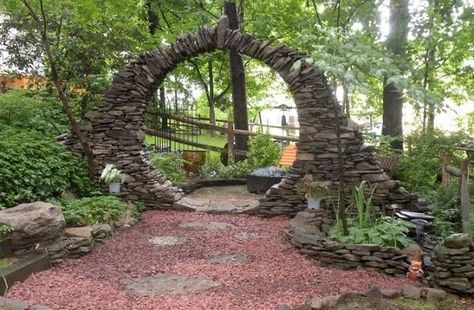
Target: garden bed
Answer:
[[18, 269], [308, 232]]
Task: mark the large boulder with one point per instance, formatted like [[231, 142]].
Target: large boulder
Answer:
[[33, 223]]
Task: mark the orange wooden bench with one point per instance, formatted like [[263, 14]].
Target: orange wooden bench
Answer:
[[288, 156]]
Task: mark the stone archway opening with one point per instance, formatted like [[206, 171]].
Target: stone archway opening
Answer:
[[115, 127]]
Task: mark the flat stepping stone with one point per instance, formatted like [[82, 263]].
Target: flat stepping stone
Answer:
[[166, 283], [229, 258], [167, 240], [245, 235], [206, 225]]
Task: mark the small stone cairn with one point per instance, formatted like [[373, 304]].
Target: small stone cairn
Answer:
[[453, 260]]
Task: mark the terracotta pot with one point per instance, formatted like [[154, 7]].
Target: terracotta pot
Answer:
[[194, 160]]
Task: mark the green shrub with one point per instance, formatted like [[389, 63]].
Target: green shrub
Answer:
[[5, 229], [171, 165], [263, 152], [211, 167], [419, 168], [35, 167], [444, 203], [365, 228], [95, 210], [32, 110], [385, 231]]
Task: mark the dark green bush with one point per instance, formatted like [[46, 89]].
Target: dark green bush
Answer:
[[263, 152], [35, 167], [32, 110], [95, 210], [171, 165], [420, 166]]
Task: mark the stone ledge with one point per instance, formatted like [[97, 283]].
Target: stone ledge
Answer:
[[307, 232]]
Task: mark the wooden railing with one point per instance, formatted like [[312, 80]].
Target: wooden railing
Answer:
[[227, 130], [463, 174]]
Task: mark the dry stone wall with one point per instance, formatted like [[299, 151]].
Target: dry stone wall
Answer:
[[308, 232], [115, 127], [453, 262]]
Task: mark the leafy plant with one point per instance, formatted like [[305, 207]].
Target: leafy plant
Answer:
[[364, 228], [381, 143], [32, 110], [363, 204], [312, 188], [263, 151], [211, 167], [426, 150], [444, 204], [111, 174], [386, 231], [237, 170], [171, 165], [96, 210], [35, 167], [6, 229]]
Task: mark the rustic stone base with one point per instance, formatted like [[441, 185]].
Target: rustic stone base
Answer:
[[453, 262], [308, 232]]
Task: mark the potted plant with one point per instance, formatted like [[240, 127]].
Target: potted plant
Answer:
[[314, 191], [112, 176]]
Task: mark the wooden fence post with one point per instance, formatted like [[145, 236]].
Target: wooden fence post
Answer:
[[444, 174], [465, 203], [230, 143]]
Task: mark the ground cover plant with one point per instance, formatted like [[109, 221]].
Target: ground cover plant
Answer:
[[97, 210], [35, 167], [171, 165], [367, 227]]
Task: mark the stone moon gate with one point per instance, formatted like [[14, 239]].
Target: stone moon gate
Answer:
[[114, 128]]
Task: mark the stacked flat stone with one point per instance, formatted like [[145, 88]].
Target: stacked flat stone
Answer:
[[308, 232], [78, 242], [453, 261], [115, 127], [101, 231]]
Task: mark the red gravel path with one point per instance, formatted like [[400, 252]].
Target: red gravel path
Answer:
[[276, 274]]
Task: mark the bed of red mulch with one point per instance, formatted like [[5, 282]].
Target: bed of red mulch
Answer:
[[275, 273]]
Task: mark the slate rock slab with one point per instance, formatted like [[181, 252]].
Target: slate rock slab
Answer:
[[245, 235], [458, 241], [33, 223], [206, 225], [166, 283], [167, 240], [229, 258]]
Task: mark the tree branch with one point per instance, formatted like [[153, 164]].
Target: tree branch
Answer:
[[42, 27], [201, 79]]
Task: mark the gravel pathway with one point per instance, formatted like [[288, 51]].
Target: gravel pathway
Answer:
[[272, 274]]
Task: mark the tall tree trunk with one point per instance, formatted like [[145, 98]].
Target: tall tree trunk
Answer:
[[175, 95], [392, 96], [345, 100], [164, 119], [212, 103], [239, 95]]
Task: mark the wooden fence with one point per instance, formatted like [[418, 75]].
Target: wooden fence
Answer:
[[227, 129], [463, 174]]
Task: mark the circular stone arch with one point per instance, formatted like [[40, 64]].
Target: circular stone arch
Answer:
[[114, 128]]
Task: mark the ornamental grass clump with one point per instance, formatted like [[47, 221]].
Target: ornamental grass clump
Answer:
[[367, 228]]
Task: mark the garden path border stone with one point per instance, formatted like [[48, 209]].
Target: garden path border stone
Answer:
[[166, 283]]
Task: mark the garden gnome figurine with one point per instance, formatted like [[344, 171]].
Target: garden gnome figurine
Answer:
[[415, 271]]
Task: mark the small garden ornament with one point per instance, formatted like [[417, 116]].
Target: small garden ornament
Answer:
[[415, 271], [112, 176]]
